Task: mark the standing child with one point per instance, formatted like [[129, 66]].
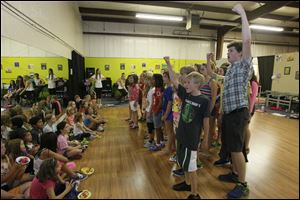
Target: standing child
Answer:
[[167, 116], [157, 111], [149, 115], [133, 100], [194, 116]]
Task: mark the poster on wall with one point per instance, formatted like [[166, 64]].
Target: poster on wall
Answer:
[[133, 66], [157, 66], [287, 70], [30, 66], [122, 66], [297, 75], [17, 64], [59, 67], [43, 66], [164, 66], [106, 67], [8, 70], [143, 64]]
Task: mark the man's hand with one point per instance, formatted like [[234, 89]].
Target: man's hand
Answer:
[[238, 8]]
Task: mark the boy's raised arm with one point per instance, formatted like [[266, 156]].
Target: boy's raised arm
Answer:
[[173, 77], [246, 33]]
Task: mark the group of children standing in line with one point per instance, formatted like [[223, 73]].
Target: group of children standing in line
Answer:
[[193, 101]]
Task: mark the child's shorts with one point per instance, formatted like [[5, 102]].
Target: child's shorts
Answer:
[[132, 107], [186, 158], [157, 120], [149, 117]]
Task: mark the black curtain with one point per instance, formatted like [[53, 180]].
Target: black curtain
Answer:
[[265, 67], [76, 75]]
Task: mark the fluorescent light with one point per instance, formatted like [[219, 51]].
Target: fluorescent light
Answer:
[[217, 22], [267, 28], [158, 17]]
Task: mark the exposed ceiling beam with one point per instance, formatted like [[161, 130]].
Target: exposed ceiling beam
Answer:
[[106, 11], [199, 7], [177, 24], [293, 4], [123, 13], [187, 37]]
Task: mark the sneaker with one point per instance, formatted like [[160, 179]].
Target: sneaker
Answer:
[[178, 172], [216, 144], [221, 162], [173, 158], [199, 164], [149, 144], [230, 177], [76, 184], [238, 191], [191, 196], [182, 187], [80, 176], [100, 128], [156, 147]]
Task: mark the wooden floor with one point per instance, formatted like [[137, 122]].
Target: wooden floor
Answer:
[[124, 169]]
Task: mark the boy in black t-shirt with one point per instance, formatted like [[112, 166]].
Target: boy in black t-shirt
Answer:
[[194, 116]]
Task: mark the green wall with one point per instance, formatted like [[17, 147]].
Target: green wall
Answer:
[[51, 62], [114, 72]]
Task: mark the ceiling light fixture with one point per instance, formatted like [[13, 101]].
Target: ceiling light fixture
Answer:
[[267, 28], [158, 17]]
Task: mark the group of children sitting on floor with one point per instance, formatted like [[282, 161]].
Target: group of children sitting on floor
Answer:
[[50, 137]]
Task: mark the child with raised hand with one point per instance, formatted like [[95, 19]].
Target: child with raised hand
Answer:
[[194, 117], [43, 185]]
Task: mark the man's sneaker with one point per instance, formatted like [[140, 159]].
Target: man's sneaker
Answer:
[[178, 172], [149, 144], [230, 177], [191, 196], [173, 158], [80, 176], [182, 187], [238, 191], [221, 162]]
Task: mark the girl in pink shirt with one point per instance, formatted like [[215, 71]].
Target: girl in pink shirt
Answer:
[[252, 98], [63, 143], [133, 100], [43, 185]]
